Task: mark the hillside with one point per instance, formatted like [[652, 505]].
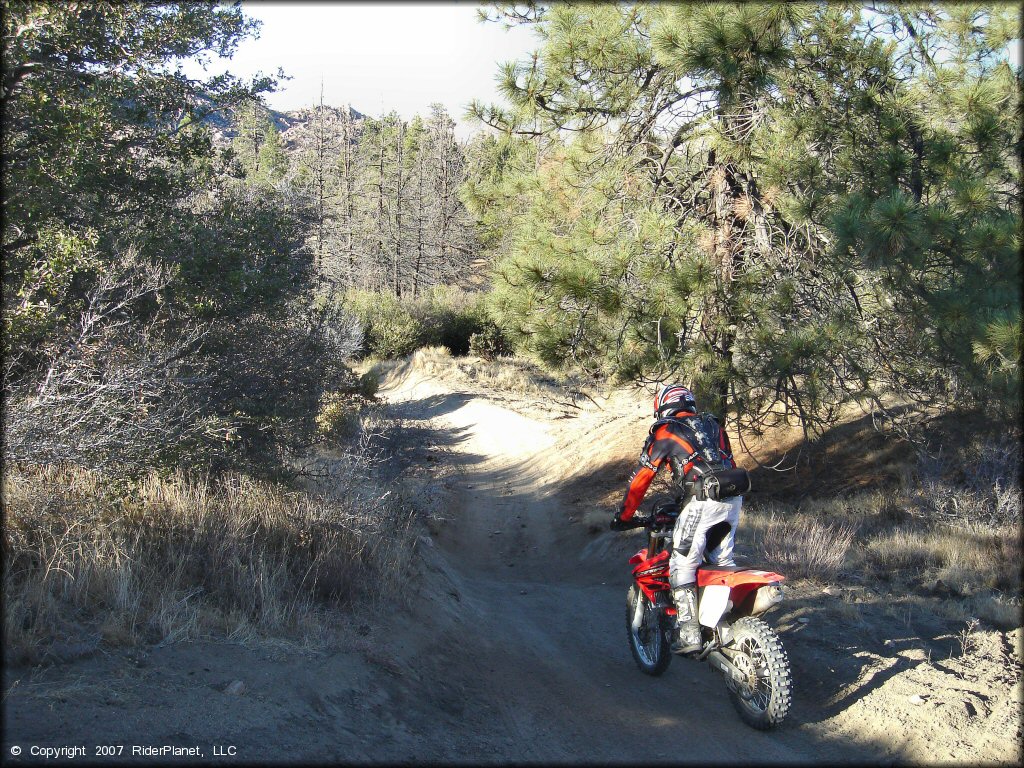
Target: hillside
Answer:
[[289, 123]]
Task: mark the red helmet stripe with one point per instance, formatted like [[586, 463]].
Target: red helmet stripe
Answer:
[[671, 393]]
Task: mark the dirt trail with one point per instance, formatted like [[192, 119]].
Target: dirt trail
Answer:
[[541, 646], [510, 646]]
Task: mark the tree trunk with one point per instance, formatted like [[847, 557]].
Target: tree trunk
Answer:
[[399, 196]]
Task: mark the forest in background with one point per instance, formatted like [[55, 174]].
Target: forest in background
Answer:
[[383, 194], [184, 285], [792, 208]]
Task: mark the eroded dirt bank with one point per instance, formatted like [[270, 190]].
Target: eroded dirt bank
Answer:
[[510, 646]]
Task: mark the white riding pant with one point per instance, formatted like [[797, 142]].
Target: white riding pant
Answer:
[[690, 537]]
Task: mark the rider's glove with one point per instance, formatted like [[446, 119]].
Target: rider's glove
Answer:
[[618, 524]]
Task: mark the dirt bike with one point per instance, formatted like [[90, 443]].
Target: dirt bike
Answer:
[[735, 642]]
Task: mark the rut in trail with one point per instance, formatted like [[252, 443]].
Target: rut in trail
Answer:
[[524, 621], [510, 644]]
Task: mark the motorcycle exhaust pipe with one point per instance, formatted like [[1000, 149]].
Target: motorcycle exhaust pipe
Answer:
[[767, 597]]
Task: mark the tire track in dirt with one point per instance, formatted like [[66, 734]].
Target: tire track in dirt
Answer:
[[538, 641], [508, 646]]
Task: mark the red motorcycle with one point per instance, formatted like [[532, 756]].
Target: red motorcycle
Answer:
[[736, 643]]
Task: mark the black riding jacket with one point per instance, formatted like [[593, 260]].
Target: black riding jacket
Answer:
[[680, 440]]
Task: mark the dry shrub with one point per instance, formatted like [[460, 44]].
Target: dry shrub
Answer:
[[340, 414], [508, 374], [977, 484], [170, 558], [996, 609], [437, 361], [962, 571], [964, 560], [803, 546]]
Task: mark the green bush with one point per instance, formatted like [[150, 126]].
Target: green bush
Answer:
[[489, 342], [368, 384], [449, 316], [389, 330], [444, 316]]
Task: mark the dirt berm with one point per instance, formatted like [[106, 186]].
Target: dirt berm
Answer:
[[510, 645]]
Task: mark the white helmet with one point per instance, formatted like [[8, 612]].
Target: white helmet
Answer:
[[674, 397]]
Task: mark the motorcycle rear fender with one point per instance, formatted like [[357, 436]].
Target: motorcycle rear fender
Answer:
[[734, 576], [742, 582]]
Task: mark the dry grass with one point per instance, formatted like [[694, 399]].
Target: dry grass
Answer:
[[171, 559], [977, 484], [513, 375], [885, 540], [961, 559], [807, 547]]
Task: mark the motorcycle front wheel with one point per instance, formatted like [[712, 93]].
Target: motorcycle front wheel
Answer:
[[764, 698], [648, 630]]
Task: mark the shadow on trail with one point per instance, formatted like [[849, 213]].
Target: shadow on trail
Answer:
[[837, 661], [430, 407], [842, 661], [528, 622], [417, 443], [856, 456]]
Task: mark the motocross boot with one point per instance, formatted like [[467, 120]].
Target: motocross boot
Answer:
[[687, 627]]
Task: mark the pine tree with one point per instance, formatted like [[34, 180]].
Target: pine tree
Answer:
[[349, 170], [687, 214], [450, 227], [257, 145], [319, 174], [413, 226]]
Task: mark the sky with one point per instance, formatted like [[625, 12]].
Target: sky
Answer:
[[378, 57], [382, 56]]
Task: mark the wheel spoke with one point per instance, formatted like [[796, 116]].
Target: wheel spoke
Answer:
[[646, 637], [647, 627], [758, 687], [764, 695]]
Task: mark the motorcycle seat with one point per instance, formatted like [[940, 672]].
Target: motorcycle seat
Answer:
[[729, 568]]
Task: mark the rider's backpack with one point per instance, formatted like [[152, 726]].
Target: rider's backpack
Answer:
[[712, 477]]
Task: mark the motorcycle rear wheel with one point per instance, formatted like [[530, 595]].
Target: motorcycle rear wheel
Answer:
[[764, 701], [648, 643]]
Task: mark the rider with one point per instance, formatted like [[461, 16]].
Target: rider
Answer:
[[691, 444]]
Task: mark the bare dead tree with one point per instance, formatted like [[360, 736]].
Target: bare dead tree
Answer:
[[116, 391]]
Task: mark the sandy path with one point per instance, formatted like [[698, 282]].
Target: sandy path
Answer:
[[541, 646], [510, 644]]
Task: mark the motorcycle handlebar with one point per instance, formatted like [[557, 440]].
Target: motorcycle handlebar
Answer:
[[650, 522], [655, 523]]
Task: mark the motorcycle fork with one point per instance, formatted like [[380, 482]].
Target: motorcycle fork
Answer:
[[662, 601], [655, 543]]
